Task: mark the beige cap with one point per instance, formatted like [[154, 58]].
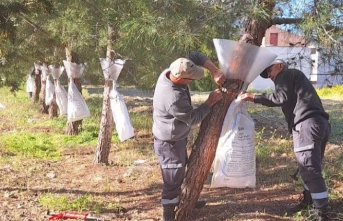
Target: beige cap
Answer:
[[264, 73], [185, 68]]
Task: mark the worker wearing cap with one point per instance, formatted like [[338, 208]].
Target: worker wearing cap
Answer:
[[173, 116], [308, 123]]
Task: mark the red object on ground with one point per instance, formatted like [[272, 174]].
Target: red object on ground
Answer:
[[72, 215]]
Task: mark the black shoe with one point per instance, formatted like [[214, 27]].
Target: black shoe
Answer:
[[200, 204], [305, 202], [323, 214]]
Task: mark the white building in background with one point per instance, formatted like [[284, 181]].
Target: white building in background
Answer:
[[291, 48]]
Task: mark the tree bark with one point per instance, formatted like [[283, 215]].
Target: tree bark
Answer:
[[53, 108], [73, 128], [102, 150], [204, 147], [38, 86], [43, 107], [203, 151]]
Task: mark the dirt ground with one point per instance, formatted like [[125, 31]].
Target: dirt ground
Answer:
[[136, 188]]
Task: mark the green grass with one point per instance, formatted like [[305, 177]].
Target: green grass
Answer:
[[251, 89], [27, 133], [335, 93], [37, 145], [58, 202], [142, 120]]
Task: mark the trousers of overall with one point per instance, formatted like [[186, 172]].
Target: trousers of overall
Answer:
[[172, 158], [310, 137]]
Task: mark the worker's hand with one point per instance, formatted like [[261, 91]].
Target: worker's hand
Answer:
[[218, 77], [214, 97], [217, 74], [246, 96]]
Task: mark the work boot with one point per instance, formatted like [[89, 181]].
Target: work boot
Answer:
[[323, 214], [168, 212], [305, 201], [200, 204]]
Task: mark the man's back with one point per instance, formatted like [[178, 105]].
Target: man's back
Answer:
[[297, 97], [303, 101]]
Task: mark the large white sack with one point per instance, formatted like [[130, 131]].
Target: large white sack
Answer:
[[121, 116], [61, 99], [77, 107], [235, 160], [30, 84], [49, 91]]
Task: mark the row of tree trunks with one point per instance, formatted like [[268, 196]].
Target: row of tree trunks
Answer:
[[39, 94]]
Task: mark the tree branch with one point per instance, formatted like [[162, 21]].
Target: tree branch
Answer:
[[37, 27], [286, 21]]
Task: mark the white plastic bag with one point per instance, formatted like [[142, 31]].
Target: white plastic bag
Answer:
[[37, 66], [235, 160], [112, 69], [61, 99], [49, 91], [56, 72], [121, 116], [30, 84], [77, 107], [45, 73], [73, 70], [60, 92]]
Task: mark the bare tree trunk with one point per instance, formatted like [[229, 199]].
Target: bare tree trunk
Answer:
[[203, 151], [53, 108], [102, 150], [38, 86], [43, 107], [204, 148], [73, 128]]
